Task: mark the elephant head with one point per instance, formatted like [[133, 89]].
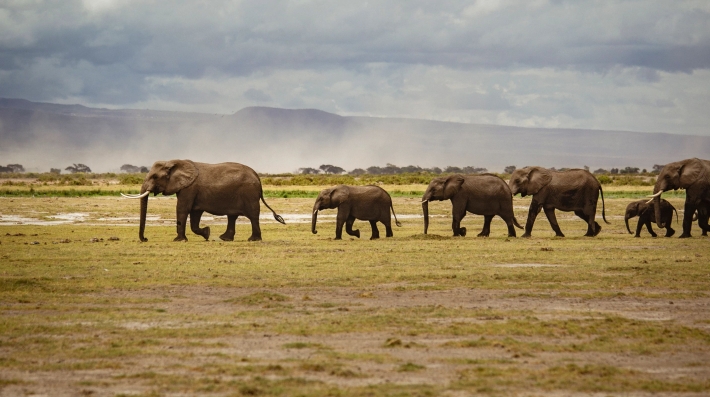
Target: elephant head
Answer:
[[328, 199], [632, 210], [439, 189], [677, 175], [166, 177], [529, 180]]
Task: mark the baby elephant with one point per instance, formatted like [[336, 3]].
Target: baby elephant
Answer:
[[367, 203], [646, 213]]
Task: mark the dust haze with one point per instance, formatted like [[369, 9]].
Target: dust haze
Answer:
[[271, 140]]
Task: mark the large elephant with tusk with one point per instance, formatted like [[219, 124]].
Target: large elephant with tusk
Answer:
[[693, 175], [484, 194], [229, 189]]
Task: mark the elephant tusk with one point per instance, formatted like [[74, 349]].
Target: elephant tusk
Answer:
[[315, 212], [657, 194], [425, 201], [136, 196]]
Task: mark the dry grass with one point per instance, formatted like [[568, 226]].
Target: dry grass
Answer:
[[301, 314]]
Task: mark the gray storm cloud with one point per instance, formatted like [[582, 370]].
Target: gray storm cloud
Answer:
[[613, 65]]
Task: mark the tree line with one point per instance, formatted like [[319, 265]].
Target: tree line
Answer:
[[329, 169], [391, 169]]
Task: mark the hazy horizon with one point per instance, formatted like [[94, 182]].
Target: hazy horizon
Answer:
[[632, 65]]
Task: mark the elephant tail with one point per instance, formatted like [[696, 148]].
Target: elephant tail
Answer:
[[276, 216], [676, 213], [515, 222], [603, 209], [396, 222]]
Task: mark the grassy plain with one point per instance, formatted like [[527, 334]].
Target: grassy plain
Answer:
[[86, 309]]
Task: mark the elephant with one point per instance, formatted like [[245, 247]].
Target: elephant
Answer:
[[646, 213], [693, 175], [230, 189], [483, 194], [703, 216], [367, 203], [572, 190]]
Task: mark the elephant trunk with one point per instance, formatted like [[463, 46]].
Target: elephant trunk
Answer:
[[626, 220], [314, 218], [657, 191], [144, 212], [425, 210]]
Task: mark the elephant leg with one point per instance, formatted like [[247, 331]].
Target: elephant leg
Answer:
[[388, 226], [231, 228], [649, 227], [375, 231], [255, 228], [486, 226], [195, 217], [339, 222], [457, 215], [511, 226], [689, 210], [349, 227], [182, 211], [670, 231], [532, 214], [593, 228], [639, 226], [550, 213]]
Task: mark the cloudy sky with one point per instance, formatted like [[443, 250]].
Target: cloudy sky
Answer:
[[623, 65]]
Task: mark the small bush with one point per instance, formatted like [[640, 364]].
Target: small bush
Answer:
[[605, 179], [131, 179]]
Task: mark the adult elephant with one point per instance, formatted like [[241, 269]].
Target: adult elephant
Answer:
[[483, 194], [229, 189], [367, 203], [693, 175], [573, 190]]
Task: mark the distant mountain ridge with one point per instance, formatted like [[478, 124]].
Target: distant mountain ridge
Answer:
[[44, 135]]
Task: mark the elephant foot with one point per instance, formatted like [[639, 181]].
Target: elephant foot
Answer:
[[670, 232], [356, 233], [526, 235], [462, 231], [685, 235], [654, 235], [482, 234], [598, 228], [373, 237], [559, 235], [637, 236], [205, 232], [254, 238], [227, 237], [180, 238]]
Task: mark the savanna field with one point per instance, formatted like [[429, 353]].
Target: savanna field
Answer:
[[86, 309]]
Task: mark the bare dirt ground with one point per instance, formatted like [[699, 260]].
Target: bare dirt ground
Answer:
[[375, 357]]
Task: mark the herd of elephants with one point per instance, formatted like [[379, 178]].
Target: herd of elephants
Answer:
[[233, 190]]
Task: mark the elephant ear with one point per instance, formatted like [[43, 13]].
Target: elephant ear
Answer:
[[339, 195], [182, 173], [690, 172], [537, 179], [452, 185]]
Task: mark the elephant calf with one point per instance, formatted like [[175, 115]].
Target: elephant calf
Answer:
[[484, 194], [646, 213], [367, 203]]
